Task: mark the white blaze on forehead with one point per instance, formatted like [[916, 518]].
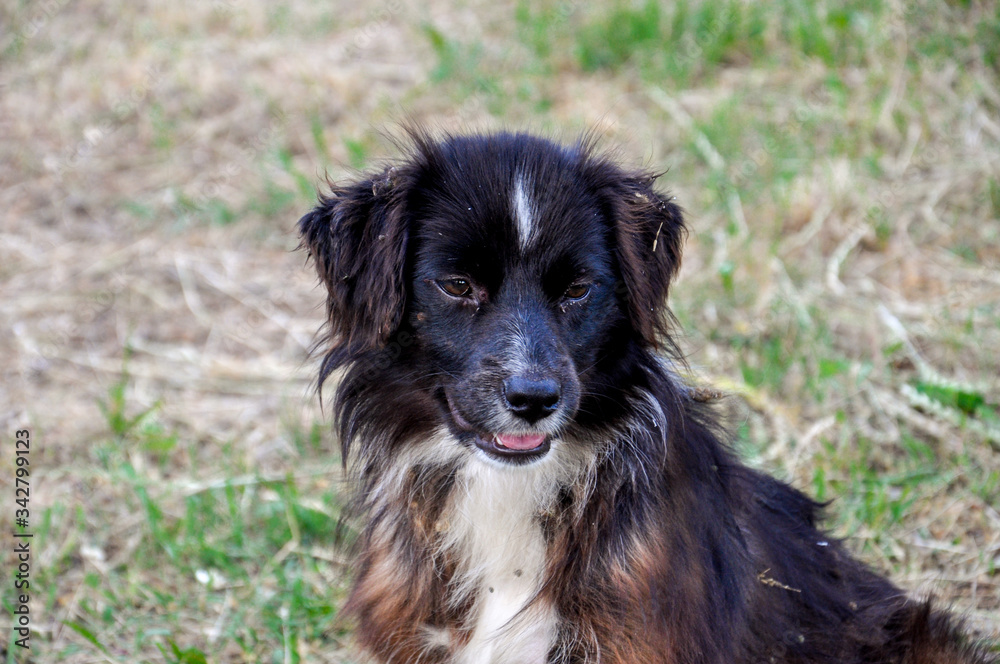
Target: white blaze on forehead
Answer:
[[523, 212]]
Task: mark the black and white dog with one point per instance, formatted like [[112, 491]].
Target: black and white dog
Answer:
[[537, 483]]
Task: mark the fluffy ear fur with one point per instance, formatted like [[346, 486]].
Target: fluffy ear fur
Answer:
[[357, 236], [649, 232]]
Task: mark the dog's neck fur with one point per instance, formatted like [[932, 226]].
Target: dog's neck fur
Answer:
[[491, 527], [495, 534]]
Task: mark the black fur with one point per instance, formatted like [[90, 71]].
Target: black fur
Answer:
[[667, 549]]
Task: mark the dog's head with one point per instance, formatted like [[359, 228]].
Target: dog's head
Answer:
[[511, 281]]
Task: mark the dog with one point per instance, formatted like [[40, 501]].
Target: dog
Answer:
[[537, 482]]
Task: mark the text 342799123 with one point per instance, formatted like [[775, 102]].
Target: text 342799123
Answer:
[[22, 546]]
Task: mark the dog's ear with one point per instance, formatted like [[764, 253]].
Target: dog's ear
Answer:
[[649, 232], [357, 237]]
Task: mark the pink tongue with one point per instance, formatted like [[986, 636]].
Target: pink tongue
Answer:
[[529, 442]]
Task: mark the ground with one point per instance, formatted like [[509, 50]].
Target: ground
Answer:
[[839, 164]]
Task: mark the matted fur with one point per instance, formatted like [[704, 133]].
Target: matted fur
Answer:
[[636, 536]]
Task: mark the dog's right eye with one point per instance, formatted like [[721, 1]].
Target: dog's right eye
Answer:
[[456, 287]]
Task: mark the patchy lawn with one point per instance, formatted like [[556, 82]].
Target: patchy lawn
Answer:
[[839, 164]]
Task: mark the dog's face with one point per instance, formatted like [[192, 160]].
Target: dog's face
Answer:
[[513, 296], [505, 278]]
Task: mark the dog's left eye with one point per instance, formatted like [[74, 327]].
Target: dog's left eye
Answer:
[[577, 292], [456, 287]]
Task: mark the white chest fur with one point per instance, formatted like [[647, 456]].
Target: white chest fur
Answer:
[[494, 530]]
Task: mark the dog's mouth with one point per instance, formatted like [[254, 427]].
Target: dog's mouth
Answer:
[[513, 447], [510, 447]]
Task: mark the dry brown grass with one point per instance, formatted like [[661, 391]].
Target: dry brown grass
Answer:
[[131, 130]]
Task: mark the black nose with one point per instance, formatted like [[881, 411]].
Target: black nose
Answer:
[[531, 398]]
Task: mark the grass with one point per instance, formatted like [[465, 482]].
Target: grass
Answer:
[[678, 43], [234, 554], [836, 162]]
